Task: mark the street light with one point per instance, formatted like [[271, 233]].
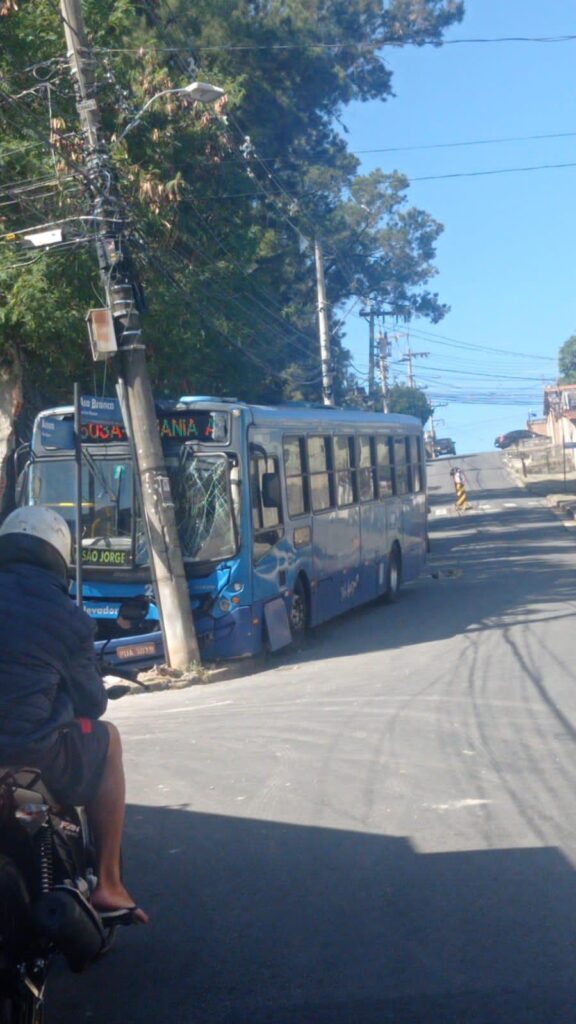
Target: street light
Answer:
[[201, 92]]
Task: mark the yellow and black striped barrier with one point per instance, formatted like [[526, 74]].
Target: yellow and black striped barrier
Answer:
[[461, 497]]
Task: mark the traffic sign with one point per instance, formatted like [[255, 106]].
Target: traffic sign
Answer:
[[100, 410]]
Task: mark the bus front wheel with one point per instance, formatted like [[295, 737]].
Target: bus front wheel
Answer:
[[299, 611], [393, 576]]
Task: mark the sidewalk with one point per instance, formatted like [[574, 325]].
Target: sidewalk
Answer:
[[551, 484]]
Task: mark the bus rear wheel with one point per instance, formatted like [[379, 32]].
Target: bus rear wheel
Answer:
[[393, 576], [299, 611]]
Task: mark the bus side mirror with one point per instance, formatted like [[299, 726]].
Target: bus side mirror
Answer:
[[18, 472], [21, 488], [271, 490]]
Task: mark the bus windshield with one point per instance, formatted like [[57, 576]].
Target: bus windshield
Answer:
[[112, 528], [107, 503], [204, 511]]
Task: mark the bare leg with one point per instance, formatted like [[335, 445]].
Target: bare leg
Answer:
[[106, 817]]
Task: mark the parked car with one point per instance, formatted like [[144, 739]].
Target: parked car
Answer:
[[444, 446], [513, 437]]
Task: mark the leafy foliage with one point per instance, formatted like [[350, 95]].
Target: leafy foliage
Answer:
[[223, 203], [567, 360], [410, 402]]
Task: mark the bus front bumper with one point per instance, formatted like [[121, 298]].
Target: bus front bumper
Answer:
[[237, 634]]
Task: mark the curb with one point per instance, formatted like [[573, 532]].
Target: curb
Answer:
[[561, 502], [565, 507]]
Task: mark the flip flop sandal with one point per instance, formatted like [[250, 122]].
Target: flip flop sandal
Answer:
[[124, 916]]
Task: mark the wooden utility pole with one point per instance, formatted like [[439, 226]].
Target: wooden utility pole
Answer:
[[124, 298], [323, 327]]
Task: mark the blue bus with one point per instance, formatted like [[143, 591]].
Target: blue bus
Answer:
[[287, 516]]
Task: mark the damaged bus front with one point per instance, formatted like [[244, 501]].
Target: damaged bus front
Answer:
[[117, 586]]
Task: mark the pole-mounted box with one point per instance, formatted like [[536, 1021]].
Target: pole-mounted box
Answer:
[[101, 333]]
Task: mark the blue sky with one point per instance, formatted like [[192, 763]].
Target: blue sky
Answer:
[[506, 265]]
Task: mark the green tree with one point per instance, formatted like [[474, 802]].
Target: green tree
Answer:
[[410, 401], [222, 226], [567, 361]]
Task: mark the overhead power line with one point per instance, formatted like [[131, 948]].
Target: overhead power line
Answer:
[[498, 170], [444, 339], [346, 44], [470, 142]]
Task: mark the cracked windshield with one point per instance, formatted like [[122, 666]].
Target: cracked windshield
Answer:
[[203, 507]]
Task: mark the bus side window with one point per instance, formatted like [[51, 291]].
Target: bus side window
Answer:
[[344, 470], [384, 466], [366, 468], [296, 477], [400, 466], [266, 512], [319, 465], [414, 445]]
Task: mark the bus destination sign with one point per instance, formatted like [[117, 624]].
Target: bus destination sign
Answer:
[[112, 558], [198, 425]]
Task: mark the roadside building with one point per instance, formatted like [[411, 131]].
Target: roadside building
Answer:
[[560, 413]]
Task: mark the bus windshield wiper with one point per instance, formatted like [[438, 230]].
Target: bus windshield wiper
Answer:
[[100, 477]]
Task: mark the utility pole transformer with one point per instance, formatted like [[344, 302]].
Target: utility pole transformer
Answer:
[[327, 386], [124, 298]]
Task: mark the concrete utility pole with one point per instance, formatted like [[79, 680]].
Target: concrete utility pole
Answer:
[[383, 353], [323, 327], [123, 293], [370, 315], [371, 352], [407, 358]]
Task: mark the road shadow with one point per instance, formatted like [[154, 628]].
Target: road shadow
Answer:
[[257, 922]]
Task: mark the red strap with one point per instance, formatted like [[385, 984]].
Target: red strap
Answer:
[[85, 725]]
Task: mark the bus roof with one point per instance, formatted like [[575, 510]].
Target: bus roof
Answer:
[[295, 413], [321, 417]]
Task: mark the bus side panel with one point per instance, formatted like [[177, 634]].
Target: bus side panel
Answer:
[[380, 528], [336, 553], [414, 522]]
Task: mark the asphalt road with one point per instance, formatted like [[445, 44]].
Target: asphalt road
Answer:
[[379, 829]]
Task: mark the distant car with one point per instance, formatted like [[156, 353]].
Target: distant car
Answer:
[[513, 437], [444, 446]]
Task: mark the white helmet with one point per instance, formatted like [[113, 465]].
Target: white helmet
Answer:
[[42, 523]]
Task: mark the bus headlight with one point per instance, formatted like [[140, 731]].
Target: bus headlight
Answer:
[[224, 604]]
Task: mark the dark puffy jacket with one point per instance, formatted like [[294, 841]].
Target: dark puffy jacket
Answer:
[[48, 668]]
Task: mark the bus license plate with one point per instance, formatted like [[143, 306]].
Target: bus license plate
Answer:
[[136, 651]]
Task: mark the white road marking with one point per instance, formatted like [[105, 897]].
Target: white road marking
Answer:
[[456, 805], [510, 504], [197, 707]]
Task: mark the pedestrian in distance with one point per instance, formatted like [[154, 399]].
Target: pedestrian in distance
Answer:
[[459, 481]]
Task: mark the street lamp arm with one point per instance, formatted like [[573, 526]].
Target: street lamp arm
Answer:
[[201, 92]]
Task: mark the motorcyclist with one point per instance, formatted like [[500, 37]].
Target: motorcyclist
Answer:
[[52, 695]]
